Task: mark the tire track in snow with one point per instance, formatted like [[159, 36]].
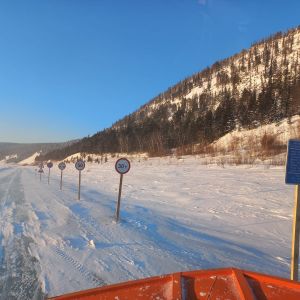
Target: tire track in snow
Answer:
[[19, 269], [124, 258], [91, 277], [5, 186], [130, 264], [91, 227]]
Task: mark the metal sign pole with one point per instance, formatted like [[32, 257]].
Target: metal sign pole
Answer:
[[61, 166], [295, 237], [79, 185], [40, 176], [122, 166], [49, 176], [119, 198], [61, 180], [292, 176], [79, 165]]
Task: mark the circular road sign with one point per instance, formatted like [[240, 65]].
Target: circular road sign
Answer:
[[62, 166], [50, 164], [80, 165], [122, 165]]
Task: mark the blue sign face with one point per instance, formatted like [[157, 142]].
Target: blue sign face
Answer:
[[292, 175]]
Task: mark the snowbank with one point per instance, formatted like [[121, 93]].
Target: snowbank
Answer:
[[30, 160]]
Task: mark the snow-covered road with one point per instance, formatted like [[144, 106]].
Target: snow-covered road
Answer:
[[175, 215], [19, 269]]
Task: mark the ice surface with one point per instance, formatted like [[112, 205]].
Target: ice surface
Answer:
[[176, 215]]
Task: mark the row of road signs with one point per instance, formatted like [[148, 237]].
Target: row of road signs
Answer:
[[122, 166]]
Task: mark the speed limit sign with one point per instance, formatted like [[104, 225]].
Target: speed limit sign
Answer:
[[40, 172], [122, 166], [49, 165], [80, 165], [62, 166]]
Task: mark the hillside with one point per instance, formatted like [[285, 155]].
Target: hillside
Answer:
[[16, 152], [258, 86]]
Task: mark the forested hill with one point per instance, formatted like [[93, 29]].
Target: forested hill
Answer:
[[257, 86], [15, 152]]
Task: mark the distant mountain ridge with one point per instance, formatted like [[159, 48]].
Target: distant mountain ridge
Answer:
[[16, 152], [255, 87]]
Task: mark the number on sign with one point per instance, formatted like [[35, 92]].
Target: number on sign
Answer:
[[62, 166], [80, 165], [122, 166]]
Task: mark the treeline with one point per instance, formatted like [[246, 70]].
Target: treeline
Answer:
[[246, 62], [164, 124]]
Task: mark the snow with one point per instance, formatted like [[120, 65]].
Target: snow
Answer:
[[8, 157], [248, 79], [99, 157], [30, 160], [176, 215], [195, 91], [282, 131]]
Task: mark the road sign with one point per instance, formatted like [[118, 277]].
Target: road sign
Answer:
[[292, 175], [80, 165], [62, 166], [122, 166], [41, 165], [41, 171], [49, 165]]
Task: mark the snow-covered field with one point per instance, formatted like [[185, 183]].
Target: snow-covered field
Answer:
[[175, 215]]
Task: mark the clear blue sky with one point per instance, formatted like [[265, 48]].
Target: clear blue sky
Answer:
[[69, 68]]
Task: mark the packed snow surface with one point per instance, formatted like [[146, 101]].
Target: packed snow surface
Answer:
[[176, 215]]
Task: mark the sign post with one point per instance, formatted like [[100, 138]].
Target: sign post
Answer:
[[295, 237], [61, 166], [293, 177], [41, 165], [79, 165], [41, 171], [122, 166], [49, 165]]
